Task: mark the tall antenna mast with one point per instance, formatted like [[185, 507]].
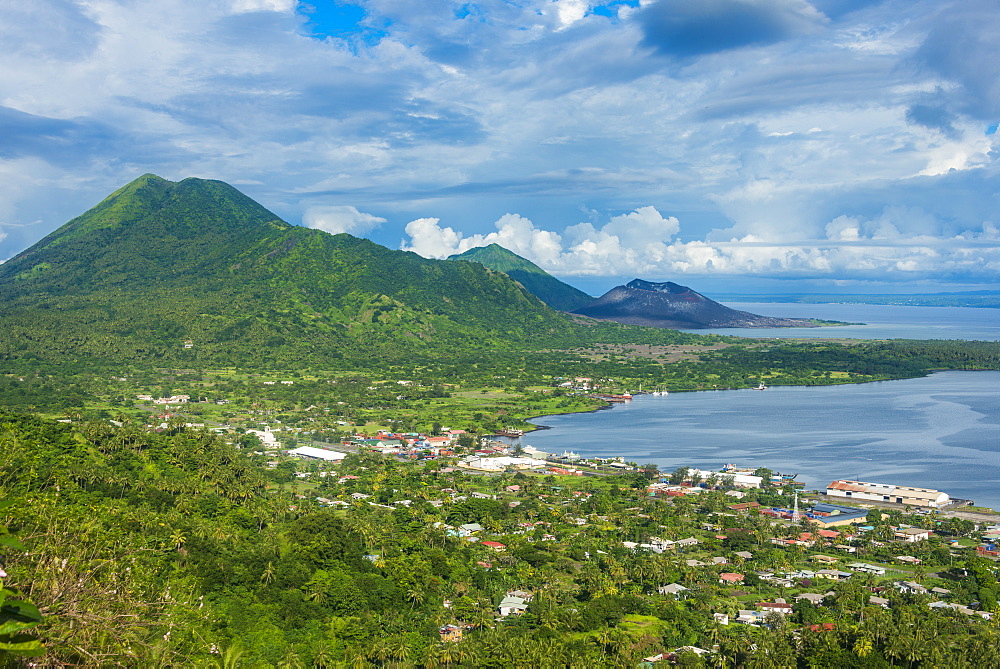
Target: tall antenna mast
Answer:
[[795, 510]]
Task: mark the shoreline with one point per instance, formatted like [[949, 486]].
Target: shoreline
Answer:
[[538, 427], [611, 405]]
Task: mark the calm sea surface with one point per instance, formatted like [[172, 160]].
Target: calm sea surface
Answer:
[[942, 432], [880, 321]]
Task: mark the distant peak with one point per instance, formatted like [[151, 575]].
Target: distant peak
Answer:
[[147, 179], [490, 248], [665, 287]]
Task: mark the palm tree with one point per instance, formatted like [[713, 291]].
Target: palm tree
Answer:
[[178, 539], [449, 654], [606, 637], [896, 647], [268, 576], [570, 618], [915, 649], [398, 649], [863, 646], [292, 661], [938, 652], [323, 658], [416, 596], [228, 659], [359, 660]]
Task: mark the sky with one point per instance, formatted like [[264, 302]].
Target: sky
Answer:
[[730, 145]]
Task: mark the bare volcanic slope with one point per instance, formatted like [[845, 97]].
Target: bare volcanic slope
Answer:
[[668, 305]]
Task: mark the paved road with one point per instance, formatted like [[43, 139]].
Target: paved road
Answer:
[[977, 516], [958, 512]]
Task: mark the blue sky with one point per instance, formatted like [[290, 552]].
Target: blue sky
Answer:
[[833, 145]]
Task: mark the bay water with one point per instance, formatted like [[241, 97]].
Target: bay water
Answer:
[[941, 431]]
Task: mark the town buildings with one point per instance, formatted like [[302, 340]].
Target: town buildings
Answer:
[[887, 492]]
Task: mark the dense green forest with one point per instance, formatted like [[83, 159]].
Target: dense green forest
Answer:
[[179, 549], [480, 391]]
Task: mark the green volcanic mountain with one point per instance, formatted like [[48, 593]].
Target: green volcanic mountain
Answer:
[[537, 281], [195, 271]]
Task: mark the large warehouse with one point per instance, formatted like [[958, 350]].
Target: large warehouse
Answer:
[[887, 492]]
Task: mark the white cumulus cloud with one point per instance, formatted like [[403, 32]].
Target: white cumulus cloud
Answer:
[[241, 6], [642, 243], [337, 219], [631, 242], [571, 11]]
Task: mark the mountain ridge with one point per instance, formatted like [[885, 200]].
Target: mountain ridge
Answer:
[[550, 290], [160, 263]]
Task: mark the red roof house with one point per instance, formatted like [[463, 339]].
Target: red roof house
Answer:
[[495, 545]]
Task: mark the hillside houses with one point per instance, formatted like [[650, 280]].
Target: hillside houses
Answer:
[[518, 523]]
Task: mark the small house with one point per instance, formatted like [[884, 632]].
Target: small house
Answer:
[[495, 545], [777, 606], [512, 606], [864, 568], [911, 534], [834, 574], [675, 589]]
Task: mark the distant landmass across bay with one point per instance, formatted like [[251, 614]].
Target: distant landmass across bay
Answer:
[[978, 299], [875, 321]]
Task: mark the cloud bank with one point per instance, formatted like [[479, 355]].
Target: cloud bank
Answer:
[[832, 138], [643, 243]]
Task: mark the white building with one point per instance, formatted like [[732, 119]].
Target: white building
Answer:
[[738, 480], [317, 453], [266, 437], [503, 462], [887, 492], [911, 534]]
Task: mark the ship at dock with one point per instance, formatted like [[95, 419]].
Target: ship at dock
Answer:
[[777, 478]]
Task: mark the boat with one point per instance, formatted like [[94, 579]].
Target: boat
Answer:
[[624, 397], [761, 386]]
